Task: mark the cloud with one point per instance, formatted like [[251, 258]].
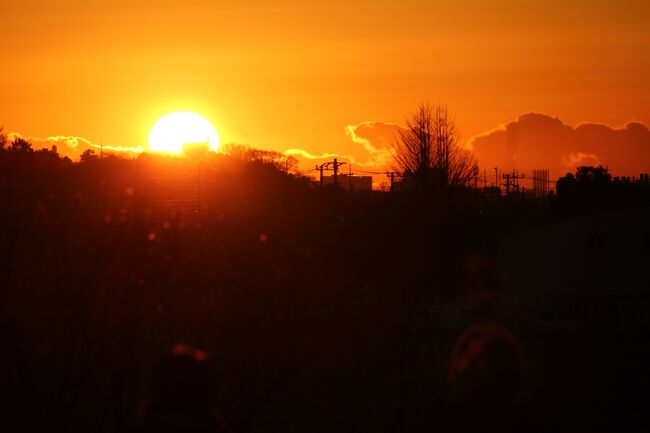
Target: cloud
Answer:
[[574, 160], [540, 141], [71, 146], [376, 140], [307, 155], [73, 142]]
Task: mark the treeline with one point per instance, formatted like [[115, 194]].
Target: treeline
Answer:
[[595, 189]]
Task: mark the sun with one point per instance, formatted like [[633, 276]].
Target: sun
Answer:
[[175, 130]]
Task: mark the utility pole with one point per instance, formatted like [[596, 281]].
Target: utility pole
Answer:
[[512, 180], [336, 170], [323, 166], [350, 177], [392, 175], [523, 189]]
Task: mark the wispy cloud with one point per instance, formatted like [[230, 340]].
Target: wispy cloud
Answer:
[[307, 155], [72, 146], [573, 160], [70, 141], [136, 149]]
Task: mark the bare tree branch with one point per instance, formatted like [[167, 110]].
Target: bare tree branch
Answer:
[[429, 150]]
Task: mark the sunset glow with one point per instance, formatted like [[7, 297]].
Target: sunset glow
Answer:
[[326, 78], [330, 215], [175, 130]]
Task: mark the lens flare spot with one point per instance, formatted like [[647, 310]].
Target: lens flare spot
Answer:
[[180, 349], [200, 355]]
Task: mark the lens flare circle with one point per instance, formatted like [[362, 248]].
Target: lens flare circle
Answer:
[[175, 130]]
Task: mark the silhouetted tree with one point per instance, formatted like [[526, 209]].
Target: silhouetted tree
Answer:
[[88, 155], [278, 160], [429, 152], [565, 184], [592, 188], [596, 175], [587, 178], [21, 145], [589, 188]]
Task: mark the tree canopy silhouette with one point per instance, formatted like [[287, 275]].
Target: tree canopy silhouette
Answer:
[[277, 160], [21, 145], [592, 188], [587, 180], [429, 152], [88, 155]]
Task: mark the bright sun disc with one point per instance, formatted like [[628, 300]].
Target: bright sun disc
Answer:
[[173, 131]]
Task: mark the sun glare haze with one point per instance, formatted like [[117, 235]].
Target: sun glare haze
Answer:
[[174, 130]]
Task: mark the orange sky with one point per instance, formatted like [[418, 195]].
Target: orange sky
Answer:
[[290, 74]]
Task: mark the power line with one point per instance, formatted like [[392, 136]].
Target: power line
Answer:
[[368, 171]]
